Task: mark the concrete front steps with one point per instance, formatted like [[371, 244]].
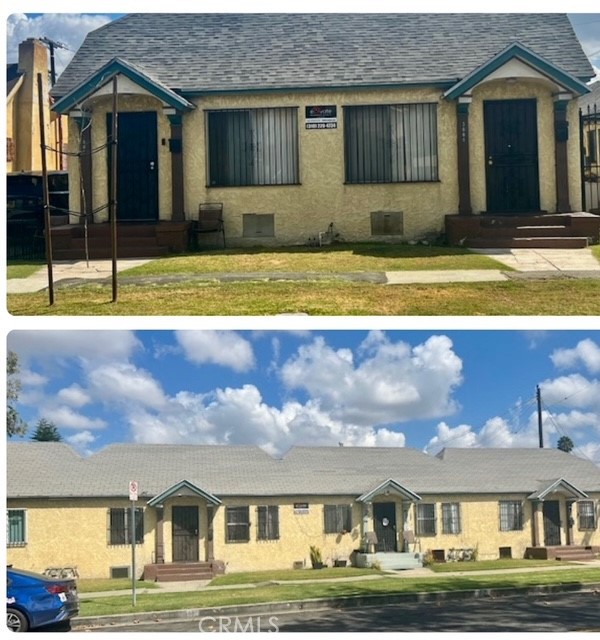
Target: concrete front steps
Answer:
[[565, 553], [544, 231], [133, 240], [182, 571], [390, 561]]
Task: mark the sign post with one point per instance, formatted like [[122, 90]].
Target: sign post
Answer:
[[133, 496]]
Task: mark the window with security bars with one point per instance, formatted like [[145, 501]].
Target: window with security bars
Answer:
[[587, 515], [238, 524], [119, 526], [426, 524], [450, 517], [511, 515], [268, 523], [15, 528], [253, 147], [391, 143], [338, 518]]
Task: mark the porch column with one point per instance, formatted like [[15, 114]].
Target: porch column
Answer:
[[537, 523], [464, 166], [561, 137], [176, 149], [159, 542], [83, 123], [570, 521], [210, 543]]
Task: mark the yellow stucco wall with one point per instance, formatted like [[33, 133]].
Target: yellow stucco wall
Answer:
[[74, 532], [302, 211]]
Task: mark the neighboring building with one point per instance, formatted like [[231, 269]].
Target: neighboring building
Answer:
[[590, 118], [23, 150], [237, 508], [382, 124]]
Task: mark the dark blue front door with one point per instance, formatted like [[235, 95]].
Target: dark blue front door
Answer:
[[137, 166]]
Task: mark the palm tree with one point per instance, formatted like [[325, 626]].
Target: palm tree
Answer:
[[565, 444]]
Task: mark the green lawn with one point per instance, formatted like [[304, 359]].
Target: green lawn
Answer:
[[519, 297], [22, 269], [338, 258], [596, 251], [283, 592], [90, 585]]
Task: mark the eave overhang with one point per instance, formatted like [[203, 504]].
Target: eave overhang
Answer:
[[525, 55], [105, 74], [184, 487], [558, 486], [387, 488]]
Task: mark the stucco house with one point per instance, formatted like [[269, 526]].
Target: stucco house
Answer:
[[203, 509], [378, 127]]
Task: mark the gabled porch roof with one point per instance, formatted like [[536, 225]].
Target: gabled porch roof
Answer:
[[520, 52], [183, 488], [116, 67], [389, 487], [559, 485]]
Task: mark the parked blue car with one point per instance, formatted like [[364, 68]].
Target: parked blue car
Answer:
[[34, 600]]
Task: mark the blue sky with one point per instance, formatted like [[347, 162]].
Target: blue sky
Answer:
[[70, 28], [420, 389]]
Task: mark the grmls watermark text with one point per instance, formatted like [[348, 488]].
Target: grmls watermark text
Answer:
[[251, 624]]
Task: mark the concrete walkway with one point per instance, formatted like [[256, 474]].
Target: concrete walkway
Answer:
[[525, 262]]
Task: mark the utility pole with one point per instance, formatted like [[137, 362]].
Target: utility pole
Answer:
[[538, 396]]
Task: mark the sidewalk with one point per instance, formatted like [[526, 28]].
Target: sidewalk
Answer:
[[526, 263]]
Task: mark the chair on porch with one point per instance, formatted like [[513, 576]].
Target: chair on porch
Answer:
[[210, 220]]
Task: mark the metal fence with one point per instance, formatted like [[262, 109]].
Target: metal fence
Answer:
[[590, 156]]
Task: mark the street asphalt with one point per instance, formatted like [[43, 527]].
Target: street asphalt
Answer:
[[522, 263]]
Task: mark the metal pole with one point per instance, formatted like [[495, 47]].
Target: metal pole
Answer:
[[539, 409], [133, 596], [113, 190], [47, 235]]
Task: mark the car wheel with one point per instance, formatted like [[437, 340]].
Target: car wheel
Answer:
[[16, 621]]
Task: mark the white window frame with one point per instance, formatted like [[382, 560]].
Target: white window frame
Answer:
[[19, 543]]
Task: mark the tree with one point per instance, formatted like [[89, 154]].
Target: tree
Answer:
[[46, 432], [565, 444], [15, 425]]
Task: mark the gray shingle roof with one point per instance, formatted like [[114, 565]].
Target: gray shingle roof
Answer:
[[53, 470], [225, 52]]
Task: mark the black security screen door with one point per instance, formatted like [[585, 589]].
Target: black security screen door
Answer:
[[137, 168], [511, 156], [551, 511], [185, 534], [384, 520]]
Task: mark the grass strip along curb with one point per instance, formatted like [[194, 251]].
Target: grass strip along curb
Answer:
[[277, 595]]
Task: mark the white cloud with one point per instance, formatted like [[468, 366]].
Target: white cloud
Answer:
[[573, 391], [225, 348], [29, 378], [69, 29], [85, 346], [65, 418], [125, 385], [587, 352], [81, 442], [392, 383], [74, 396]]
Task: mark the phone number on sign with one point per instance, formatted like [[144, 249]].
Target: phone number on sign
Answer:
[[321, 125]]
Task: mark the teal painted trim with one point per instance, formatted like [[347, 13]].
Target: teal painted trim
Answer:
[[463, 107], [516, 50], [184, 484], [175, 120], [103, 75], [436, 84], [386, 486]]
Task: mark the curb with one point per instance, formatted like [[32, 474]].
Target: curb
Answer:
[[325, 603]]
